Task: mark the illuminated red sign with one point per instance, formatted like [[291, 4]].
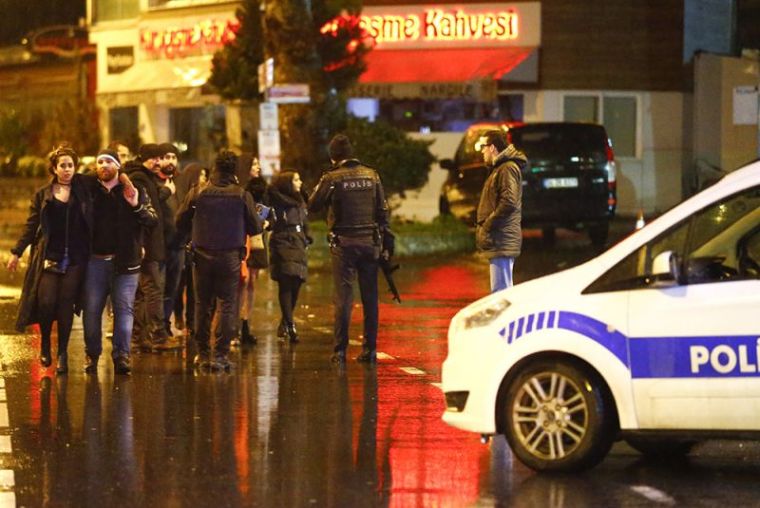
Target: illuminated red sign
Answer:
[[431, 26], [203, 37], [440, 25]]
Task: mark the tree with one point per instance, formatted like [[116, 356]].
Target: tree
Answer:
[[320, 43]]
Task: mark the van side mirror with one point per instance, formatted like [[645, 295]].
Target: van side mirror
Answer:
[[667, 267], [447, 164]]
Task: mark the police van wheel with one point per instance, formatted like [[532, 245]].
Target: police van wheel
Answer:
[[660, 448], [559, 417]]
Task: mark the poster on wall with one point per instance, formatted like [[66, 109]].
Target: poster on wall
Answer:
[[745, 105]]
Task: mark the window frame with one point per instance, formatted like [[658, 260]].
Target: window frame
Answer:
[[600, 97]]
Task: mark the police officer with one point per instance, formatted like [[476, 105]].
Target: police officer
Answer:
[[357, 219], [220, 216]]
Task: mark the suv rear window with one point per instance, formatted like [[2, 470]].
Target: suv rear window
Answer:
[[561, 142]]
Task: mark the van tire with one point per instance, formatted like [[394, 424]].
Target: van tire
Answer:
[[559, 417], [598, 234]]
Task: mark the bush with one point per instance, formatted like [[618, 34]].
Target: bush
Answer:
[[32, 166], [403, 163]]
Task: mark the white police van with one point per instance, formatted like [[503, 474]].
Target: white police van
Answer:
[[656, 341]]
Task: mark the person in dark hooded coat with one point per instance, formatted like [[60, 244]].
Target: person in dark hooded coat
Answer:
[[287, 245], [57, 230]]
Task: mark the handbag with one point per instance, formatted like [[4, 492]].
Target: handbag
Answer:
[[257, 242], [61, 266]]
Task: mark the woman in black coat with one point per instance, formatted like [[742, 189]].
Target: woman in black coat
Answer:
[[58, 231], [287, 245]]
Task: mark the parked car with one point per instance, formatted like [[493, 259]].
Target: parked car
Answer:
[[569, 180], [655, 341]]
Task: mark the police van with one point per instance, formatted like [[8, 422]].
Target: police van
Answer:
[[656, 341]]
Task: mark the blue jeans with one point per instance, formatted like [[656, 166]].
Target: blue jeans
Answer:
[[100, 281], [501, 273]]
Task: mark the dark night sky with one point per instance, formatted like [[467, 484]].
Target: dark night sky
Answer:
[[20, 16]]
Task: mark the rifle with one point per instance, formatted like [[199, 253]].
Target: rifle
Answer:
[[386, 262]]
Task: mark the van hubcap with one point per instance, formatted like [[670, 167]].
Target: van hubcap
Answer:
[[550, 415]]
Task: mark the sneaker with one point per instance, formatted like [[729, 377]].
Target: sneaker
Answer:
[[367, 356], [202, 360], [235, 342], [338, 357], [90, 364], [121, 365]]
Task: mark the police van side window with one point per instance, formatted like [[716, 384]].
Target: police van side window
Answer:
[[720, 242]]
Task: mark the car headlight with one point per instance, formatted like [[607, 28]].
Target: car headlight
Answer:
[[485, 315]]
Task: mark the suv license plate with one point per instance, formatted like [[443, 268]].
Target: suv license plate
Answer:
[[560, 183]]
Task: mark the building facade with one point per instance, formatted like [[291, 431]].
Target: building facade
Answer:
[[437, 68], [154, 58]]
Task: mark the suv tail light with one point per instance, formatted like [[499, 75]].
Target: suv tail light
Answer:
[[611, 168]]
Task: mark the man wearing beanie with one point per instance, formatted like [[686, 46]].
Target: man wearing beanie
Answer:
[[120, 212], [219, 216], [175, 243], [358, 220], [149, 332]]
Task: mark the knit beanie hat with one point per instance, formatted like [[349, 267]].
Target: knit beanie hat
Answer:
[[111, 155]]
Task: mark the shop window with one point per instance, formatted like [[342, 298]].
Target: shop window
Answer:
[[511, 107], [108, 10], [617, 113], [199, 132], [123, 126]]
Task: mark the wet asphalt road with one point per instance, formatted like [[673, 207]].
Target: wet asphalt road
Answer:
[[287, 428]]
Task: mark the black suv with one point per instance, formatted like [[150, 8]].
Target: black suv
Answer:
[[569, 180]]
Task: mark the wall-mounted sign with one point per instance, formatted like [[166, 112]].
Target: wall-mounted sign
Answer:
[[291, 93], [119, 59], [204, 37], [481, 90], [458, 25]]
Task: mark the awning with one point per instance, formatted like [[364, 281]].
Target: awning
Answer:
[[441, 65], [164, 74]]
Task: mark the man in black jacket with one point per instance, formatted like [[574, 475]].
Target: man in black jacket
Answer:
[[119, 213], [149, 332], [357, 218], [498, 234], [220, 216], [175, 243]]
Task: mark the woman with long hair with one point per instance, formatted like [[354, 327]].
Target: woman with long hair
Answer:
[[257, 257], [287, 245], [58, 231]]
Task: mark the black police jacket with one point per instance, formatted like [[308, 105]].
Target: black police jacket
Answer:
[[354, 197], [220, 215]]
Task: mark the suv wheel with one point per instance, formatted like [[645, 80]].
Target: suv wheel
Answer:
[[598, 233], [559, 417]]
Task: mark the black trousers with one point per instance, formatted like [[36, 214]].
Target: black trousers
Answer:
[[352, 257], [216, 275], [288, 287]]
